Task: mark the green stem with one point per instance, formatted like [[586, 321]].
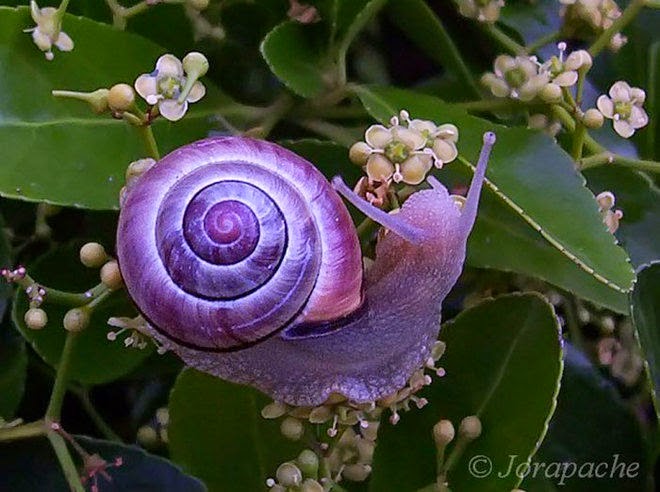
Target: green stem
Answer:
[[626, 17], [578, 141], [66, 462], [542, 41], [94, 415], [490, 104], [63, 297], [54, 409], [63, 6], [276, 112], [24, 431], [501, 37], [147, 135]]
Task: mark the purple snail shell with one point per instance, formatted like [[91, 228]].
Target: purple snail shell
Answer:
[[245, 262]]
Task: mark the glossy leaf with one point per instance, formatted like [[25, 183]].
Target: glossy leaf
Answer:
[[293, 52], [96, 360], [50, 144], [217, 433], [639, 200], [592, 424], [646, 316], [535, 179], [30, 465], [503, 364], [416, 19], [13, 370], [330, 158]]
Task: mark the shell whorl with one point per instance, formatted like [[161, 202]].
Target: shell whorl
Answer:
[[228, 240]]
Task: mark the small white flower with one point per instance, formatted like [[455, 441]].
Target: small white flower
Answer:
[[564, 72], [406, 150], [163, 87], [49, 30], [481, 10], [624, 107], [517, 78]]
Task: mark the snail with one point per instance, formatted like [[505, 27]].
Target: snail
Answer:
[[245, 262]]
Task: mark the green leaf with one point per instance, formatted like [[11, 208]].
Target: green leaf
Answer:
[[13, 370], [5, 262], [328, 157], [536, 180], [503, 364], [639, 199], [416, 19], [293, 52], [217, 433], [95, 360], [646, 317], [57, 150], [30, 465], [591, 425]]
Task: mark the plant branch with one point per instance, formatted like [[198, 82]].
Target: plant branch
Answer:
[[54, 410], [66, 462], [501, 37], [626, 17], [23, 431], [94, 415]]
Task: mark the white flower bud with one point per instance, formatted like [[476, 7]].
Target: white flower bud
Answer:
[[76, 319], [289, 475], [195, 64], [593, 118], [121, 97], [35, 318], [111, 276], [93, 255], [359, 153], [443, 433], [550, 93], [470, 427], [292, 428]]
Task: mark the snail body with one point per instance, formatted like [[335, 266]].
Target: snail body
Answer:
[[245, 262]]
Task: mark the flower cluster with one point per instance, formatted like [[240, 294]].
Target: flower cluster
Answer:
[[481, 10], [48, 31], [624, 108], [591, 18], [173, 84], [563, 71], [406, 150], [611, 218]]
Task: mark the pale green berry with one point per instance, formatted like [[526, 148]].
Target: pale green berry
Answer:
[[308, 462], [35, 318]]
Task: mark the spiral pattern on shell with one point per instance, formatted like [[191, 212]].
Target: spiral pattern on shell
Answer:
[[237, 238]]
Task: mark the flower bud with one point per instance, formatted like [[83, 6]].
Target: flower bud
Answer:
[[606, 200], [121, 97], [111, 276], [593, 118], [147, 436], [195, 64], [292, 428], [35, 318], [357, 472], [443, 433], [273, 410], [470, 427], [359, 153], [320, 415], [550, 93], [308, 462], [93, 255], [289, 475], [76, 319], [198, 4], [311, 485]]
